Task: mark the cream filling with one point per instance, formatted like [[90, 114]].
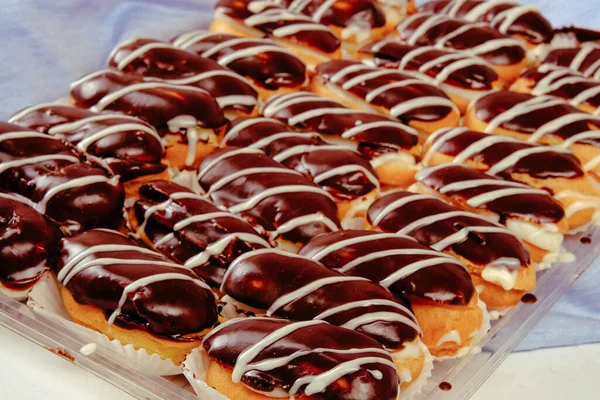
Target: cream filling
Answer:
[[502, 272], [394, 159], [354, 218], [413, 349], [544, 236], [452, 336]]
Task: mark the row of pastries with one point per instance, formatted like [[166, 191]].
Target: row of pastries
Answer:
[[321, 197]]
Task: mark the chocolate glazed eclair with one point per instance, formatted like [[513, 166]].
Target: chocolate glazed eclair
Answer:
[[27, 238], [135, 295], [258, 358], [125, 145], [553, 169], [285, 285], [388, 144], [275, 200], [190, 230], [437, 286], [54, 178], [498, 262], [159, 61], [188, 118], [341, 171]]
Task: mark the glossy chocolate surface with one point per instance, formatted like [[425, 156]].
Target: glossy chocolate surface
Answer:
[[50, 173], [194, 238], [343, 13], [318, 158], [27, 238], [478, 248], [156, 105], [227, 343], [563, 84], [469, 37], [129, 152], [582, 34], [168, 307], [271, 69], [443, 278], [528, 23], [493, 104], [261, 279], [383, 137], [270, 18], [542, 165], [395, 54], [390, 97], [272, 211], [539, 207], [153, 59], [587, 63]]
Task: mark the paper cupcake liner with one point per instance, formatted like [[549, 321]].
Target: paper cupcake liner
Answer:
[[194, 368], [45, 298]]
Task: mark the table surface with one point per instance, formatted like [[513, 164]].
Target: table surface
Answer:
[[559, 373]]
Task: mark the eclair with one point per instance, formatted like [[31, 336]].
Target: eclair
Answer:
[[343, 172], [553, 169], [158, 61], [584, 59], [415, 102], [271, 68], [389, 145], [539, 119], [189, 119], [259, 358], [497, 260], [296, 288], [506, 54], [190, 230], [579, 91], [508, 17], [461, 76], [354, 21], [532, 215], [129, 293], [127, 146], [52, 177], [27, 239], [438, 287], [274, 199], [311, 41]]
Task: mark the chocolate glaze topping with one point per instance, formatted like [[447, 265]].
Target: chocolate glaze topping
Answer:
[[280, 23], [387, 258], [341, 171], [281, 201], [564, 83], [506, 16], [374, 133], [582, 35], [52, 176], [297, 288], [373, 376], [160, 61], [192, 231], [537, 116], [134, 287], [480, 39], [155, 102], [361, 13], [503, 156], [584, 59], [434, 223], [26, 240], [262, 60], [127, 145], [443, 66], [405, 97], [464, 186]]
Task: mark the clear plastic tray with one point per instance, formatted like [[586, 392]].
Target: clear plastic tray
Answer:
[[465, 375]]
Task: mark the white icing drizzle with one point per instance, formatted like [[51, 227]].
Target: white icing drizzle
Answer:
[[252, 52], [323, 8], [462, 235], [346, 169], [484, 198], [224, 156], [483, 144], [140, 51], [446, 134], [581, 136], [425, 101], [284, 189], [302, 149], [227, 179], [72, 184], [560, 122], [509, 16], [27, 110], [363, 127], [416, 266], [324, 252], [220, 245], [481, 9], [37, 159], [533, 104], [189, 38], [301, 117], [23, 135], [399, 203], [293, 223]]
